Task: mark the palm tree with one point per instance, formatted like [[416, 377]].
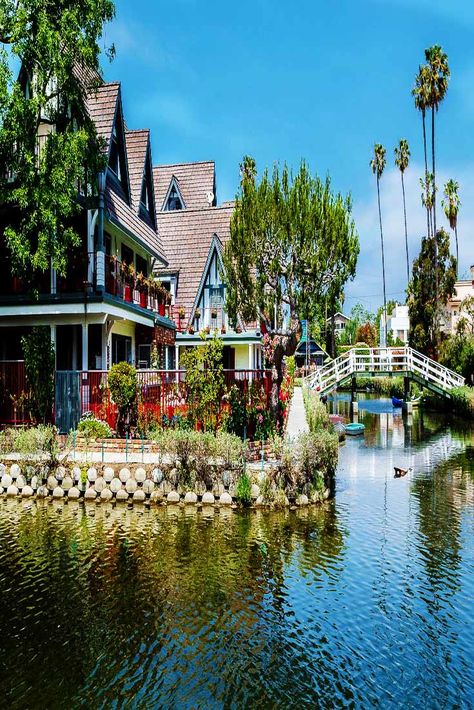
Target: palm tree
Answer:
[[451, 210], [420, 94], [377, 164], [402, 158], [437, 78]]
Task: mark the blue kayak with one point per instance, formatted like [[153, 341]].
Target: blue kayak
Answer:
[[397, 402], [354, 429]]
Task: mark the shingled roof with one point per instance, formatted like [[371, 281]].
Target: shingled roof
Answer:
[[186, 237], [102, 105], [137, 146], [196, 181]]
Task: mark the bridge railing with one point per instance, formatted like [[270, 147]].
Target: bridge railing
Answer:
[[383, 361]]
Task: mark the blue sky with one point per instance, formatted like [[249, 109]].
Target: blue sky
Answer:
[[316, 80]]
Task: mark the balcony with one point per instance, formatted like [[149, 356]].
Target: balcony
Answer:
[[208, 319]]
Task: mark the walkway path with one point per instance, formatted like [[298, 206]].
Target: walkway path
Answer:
[[296, 423]]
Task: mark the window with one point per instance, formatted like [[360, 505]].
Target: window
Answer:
[[127, 254], [215, 297], [141, 265], [114, 160], [121, 349], [174, 200]]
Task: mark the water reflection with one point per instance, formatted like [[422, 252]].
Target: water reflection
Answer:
[[364, 602]]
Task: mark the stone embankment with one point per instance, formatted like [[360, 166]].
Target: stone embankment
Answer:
[[139, 484]]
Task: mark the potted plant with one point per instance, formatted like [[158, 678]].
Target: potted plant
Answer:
[[213, 312], [142, 286], [181, 313], [238, 329], [223, 329], [191, 330], [197, 313], [207, 330]]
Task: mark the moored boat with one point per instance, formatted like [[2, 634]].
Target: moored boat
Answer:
[[397, 402], [354, 429]]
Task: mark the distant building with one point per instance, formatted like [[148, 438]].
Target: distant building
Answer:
[[454, 310], [340, 322], [317, 355], [398, 325]]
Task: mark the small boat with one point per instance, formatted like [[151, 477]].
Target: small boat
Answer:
[[397, 402], [400, 472], [354, 429]]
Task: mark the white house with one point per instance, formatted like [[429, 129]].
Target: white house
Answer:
[[398, 324]]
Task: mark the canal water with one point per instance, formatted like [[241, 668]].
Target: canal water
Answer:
[[365, 602]]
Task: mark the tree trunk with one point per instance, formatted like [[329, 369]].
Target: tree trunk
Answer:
[[333, 335], [426, 172], [457, 250], [383, 263], [436, 284], [406, 230], [282, 345]]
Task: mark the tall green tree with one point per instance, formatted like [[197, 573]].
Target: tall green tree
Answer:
[[423, 304], [402, 159], [49, 149], [377, 164], [292, 240], [451, 210]]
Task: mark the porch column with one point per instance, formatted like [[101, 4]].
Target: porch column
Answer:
[[104, 345], [251, 363], [53, 341], [176, 357], [85, 346]]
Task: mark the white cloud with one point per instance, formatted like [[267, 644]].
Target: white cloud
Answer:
[[367, 286]]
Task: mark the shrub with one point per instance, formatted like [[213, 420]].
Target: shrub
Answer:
[[124, 392], [204, 382], [40, 440], [92, 428], [39, 370], [317, 455], [243, 489], [460, 403], [237, 420], [316, 414]]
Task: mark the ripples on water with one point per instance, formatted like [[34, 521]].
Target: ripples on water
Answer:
[[365, 602]]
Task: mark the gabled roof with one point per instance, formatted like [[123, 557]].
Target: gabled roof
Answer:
[[102, 107], [187, 236], [137, 148], [341, 315], [196, 182]]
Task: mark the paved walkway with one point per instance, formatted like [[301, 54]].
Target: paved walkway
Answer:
[[297, 423]]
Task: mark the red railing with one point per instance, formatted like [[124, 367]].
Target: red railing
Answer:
[[162, 393], [13, 392], [118, 284]]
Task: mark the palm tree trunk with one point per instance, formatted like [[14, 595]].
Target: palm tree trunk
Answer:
[[383, 263], [457, 250], [406, 230], [434, 166], [436, 285], [423, 115]]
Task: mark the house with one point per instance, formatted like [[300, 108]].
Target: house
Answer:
[[194, 229], [398, 324], [340, 322], [455, 310], [103, 310], [316, 354]]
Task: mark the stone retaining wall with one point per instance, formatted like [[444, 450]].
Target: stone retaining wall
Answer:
[[137, 484]]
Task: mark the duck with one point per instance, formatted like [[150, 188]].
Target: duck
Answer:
[[400, 472]]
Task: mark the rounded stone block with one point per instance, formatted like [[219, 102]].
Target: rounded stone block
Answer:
[[218, 489], [58, 492], [15, 470], [225, 499], [26, 491], [302, 499], [76, 473], [67, 483], [208, 498], [60, 473], [173, 497], [139, 496], [106, 494], [115, 485], [73, 493], [90, 494], [122, 495], [34, 483], [157, 475], [99, 484], [148, 486], [124, 475], [260, 501], [12, 490], [20, 481], [190, 497], [156, 496], [42, 492], [108, 474], [51, 483], [6, 480], [91, 474], [140, 475], [255, 491], [199, 488], [131, 485]]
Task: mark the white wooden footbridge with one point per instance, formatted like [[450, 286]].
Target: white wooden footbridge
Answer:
[[379, 362]]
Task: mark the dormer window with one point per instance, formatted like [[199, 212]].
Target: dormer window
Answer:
[[174, 201], [146, 195], [114, 160], [144, 199]]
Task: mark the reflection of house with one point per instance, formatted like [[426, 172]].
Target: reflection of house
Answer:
[[398, 324], [97, 312], [454, 310], [340, 322], [317, 355], [193, 230]]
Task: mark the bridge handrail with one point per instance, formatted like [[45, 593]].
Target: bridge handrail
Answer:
[[383, 360]]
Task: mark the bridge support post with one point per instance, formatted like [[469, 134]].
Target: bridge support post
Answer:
[[406, 384], [354, 402]]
